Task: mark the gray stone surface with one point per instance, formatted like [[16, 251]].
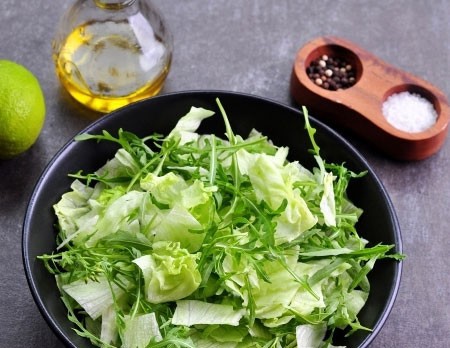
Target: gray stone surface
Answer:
[[249, 46]]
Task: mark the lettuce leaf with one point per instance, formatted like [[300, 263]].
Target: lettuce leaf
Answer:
[[193, 312], [94, 296], [170, 272], [139, 330], [185, 128], [310, 336]]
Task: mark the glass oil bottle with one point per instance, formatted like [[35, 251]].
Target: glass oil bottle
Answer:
[[109, 53]]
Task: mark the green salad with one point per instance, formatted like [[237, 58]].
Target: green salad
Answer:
[[195, 240]]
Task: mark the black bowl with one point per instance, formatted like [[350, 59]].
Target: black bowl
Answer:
[[282, 124]]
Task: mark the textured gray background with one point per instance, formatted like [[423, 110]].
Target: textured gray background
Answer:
[[249, 46]]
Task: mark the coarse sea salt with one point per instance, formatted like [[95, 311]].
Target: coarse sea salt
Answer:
[[409, 112]]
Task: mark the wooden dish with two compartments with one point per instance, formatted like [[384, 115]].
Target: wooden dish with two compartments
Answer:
[[359, 107]]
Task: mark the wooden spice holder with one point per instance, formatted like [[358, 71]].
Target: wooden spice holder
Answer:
[[359, 107]]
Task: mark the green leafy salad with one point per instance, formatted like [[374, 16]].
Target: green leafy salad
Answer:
[[193, 240]]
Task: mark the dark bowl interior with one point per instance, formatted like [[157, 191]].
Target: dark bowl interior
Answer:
[[283, 124]]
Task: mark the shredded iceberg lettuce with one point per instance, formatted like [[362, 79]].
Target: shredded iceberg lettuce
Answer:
[[192, 240], [194, 312]]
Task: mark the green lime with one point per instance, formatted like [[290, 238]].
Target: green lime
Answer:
[[22, 109]]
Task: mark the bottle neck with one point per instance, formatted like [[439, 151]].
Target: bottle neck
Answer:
[[113, 4]]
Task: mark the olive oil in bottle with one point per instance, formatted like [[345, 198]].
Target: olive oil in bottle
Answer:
[[117, 52]]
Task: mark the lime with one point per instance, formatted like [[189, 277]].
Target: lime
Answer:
[[22, 109]]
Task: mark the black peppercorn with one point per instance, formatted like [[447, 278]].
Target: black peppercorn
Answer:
[[331, 73]]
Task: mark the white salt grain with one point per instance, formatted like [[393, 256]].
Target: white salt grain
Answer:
[[409, 112]]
